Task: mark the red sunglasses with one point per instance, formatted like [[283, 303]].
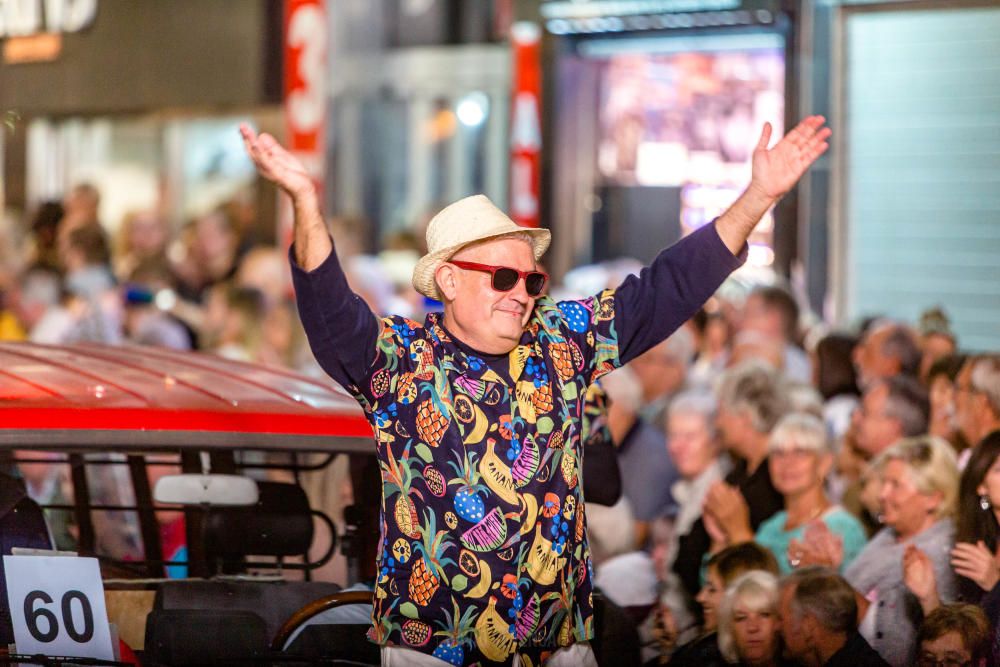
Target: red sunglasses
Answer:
[[504, 278]]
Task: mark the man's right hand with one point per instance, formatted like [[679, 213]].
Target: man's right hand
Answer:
[[312, 240], [276, 164]]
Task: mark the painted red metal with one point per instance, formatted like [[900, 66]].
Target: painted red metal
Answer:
[[99, 388]]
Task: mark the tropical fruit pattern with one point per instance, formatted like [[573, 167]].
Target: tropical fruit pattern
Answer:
[[482, 523]]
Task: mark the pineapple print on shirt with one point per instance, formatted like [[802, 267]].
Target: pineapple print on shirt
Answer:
[[484, 550]]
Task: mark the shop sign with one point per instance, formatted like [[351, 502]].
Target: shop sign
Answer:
[[25, 18], [526, 132], [305, 89]]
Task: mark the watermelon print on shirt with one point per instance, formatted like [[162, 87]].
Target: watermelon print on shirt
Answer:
[[483, 549]]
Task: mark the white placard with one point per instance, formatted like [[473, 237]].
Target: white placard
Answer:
[[57, 606]]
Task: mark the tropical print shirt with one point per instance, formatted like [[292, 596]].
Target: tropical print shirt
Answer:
[[483, 547]]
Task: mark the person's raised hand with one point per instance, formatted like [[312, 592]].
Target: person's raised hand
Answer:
[[776, 170], [976, 562], [819, 546], [276, 164], [729, 509], [918, 575]]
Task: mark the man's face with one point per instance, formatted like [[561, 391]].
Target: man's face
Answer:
[[481, 317], [871, 361], [758, 316], [876, 430], [796, 645], [966, 412]]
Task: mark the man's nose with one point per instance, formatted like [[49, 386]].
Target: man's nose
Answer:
[[520, 292]]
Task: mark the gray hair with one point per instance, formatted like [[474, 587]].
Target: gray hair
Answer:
[[693, 402], [907, 403], [758, 590], [755, 387], [805, 398], [932, 466], [825, 595], [679, 348], [902, 344], [985, 378], [804, 429], [518, 236]]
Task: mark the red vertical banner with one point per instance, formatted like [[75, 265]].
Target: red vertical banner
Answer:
[[526, 124], [305, 99]]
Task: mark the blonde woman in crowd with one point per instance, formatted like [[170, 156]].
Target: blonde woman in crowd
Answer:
[[799, 458], [749, 623], [919, 490]]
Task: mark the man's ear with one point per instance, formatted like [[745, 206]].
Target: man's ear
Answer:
[[446, 278]]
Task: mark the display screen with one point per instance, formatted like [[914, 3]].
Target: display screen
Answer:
[[687, 112]]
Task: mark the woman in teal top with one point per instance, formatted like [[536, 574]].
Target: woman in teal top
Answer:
[[800, 460], [810, 527]]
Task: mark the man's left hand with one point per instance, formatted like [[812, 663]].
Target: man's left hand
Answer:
[[777, 170]]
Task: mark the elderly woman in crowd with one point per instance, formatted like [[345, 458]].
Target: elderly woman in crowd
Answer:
[[919, 489], [752, 398], [955, 634], [722, 570], [800, 459], [694, 449], [748, 621]]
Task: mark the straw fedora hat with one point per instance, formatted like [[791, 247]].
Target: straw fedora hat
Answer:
[[468, 220]]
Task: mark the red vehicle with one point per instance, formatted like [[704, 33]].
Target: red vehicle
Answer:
[[105, 423]]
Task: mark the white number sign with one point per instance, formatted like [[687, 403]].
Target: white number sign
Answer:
[[57, 606]]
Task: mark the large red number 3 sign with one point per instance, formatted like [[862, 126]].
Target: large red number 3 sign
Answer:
[[306, 33], [306, 51]]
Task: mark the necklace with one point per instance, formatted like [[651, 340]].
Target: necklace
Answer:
[[812, 516]]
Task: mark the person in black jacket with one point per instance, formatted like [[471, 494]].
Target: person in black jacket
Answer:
[[752, 399], [22, 524], [819, 620]]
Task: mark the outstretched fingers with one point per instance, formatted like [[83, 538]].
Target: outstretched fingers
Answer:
[[765, 137]]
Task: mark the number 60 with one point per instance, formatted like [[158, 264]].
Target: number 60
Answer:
[[31, 615]]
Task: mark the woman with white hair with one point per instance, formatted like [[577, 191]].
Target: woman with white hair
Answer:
[[799, 459], [748, 621], [919, 489]]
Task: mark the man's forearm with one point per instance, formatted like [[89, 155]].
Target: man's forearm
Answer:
[[734, 226], [312, 240]]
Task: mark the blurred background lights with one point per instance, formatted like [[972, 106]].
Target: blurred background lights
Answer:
[[471, 109]]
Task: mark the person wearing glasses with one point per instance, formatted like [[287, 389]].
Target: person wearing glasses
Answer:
[[955, 635], [810, 525], [477, 409], [977, 397]]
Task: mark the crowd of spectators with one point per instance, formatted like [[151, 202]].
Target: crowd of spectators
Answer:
[[834, 494], [810, 497]]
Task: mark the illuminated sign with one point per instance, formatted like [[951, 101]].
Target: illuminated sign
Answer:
[[24, 18]]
